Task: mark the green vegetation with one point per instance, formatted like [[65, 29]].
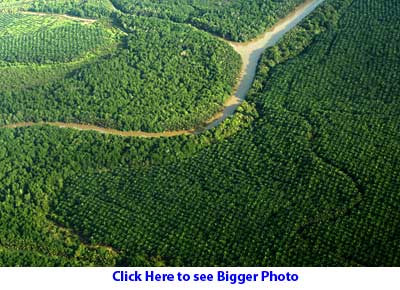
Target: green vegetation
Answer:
[[305, 174], [29, 76], [81, 8], [322, 199], [237, 20], [163, 77], [344, 88], [41, 39], [34, 162], [13, 5]]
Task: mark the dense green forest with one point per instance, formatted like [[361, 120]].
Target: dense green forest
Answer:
[[306, 173], [320, 170], [237, 20], [159, 76]]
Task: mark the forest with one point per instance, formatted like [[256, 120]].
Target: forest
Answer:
[[238, 20], [305, 173], [322, 196], [140, 74], [23, 40], [81, 8]]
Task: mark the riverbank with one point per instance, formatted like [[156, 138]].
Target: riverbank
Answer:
[[250, 53]]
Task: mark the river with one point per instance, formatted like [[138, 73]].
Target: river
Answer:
[[250, 53]]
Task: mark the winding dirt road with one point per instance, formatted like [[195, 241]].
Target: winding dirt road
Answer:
[[250, 53]]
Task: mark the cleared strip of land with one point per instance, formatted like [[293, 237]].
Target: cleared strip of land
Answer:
[[65, 16]]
